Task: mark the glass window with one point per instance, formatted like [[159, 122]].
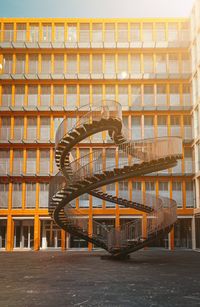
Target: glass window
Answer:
[[84, 64], [18, 128], [71, 64], [177, 192], [162, 125], [44, 128], [84, 35], [109, 32], [96, 93], [8, 32], [161, 97], [174, 95], [30, 195], [97, 67], [137, 192], [136, 127], [4, 161], [59, 32], [135, 63], [123, 190], [164, 188], [84, 95], [71, 97], [122, 32], [21, 32], [123, 64], [84, 156], [187, 123], [58, 95], [136, 95], [161, 64], [59, 63], [173, 63], [160, 32], [97, 33], [31, 162], [57, 122], [32, 95], [31, 128], [33, 64], [72, 32], [135, 32], [20, 64], [84, 201], [186, 95], [123, 96], [46, 64], [175, 125], [19, 95], [110, 92], [110, 190], [148, 63], [5, 128], [17, 195], [4, 188], [148, 127], [34, 32], [6, 95], [147, 32], [110, 63], [45, 95], [110, 158], [46, 32], [148, 95], [43, 195], [18, 162], [190, 197], [7, 64], [188, 160], [186, 63], [173, 32], [185, 31], [150, 187], [44, 161]]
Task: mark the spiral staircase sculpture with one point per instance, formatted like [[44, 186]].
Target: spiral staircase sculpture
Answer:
[[77, 177]]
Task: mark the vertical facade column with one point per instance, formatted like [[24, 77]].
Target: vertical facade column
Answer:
[[90, 212], [193, 233], [10, 233], [63, 240], [36, 233], [171, 239], [90, 229], [144, 225]]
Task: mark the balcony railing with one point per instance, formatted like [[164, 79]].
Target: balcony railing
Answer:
[[109, 37]]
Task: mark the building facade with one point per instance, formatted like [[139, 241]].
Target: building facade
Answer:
[[51, 67]]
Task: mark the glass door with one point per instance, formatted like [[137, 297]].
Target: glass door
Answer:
[[51, 235], [24, 234], [2, 234]]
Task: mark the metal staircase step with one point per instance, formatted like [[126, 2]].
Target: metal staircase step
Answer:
[[80, 129]]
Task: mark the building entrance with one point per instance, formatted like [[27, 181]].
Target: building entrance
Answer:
[[50, 235], [2, 234], [24, 234], [183, 233]]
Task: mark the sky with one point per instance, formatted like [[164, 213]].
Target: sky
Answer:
[[95, 8]]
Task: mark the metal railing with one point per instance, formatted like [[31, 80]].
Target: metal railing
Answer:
[[87, 36], [162, 210]]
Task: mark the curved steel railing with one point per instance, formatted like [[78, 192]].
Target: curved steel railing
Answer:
[[161, 152]]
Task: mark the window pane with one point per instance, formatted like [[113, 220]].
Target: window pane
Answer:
[[16, 195]]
